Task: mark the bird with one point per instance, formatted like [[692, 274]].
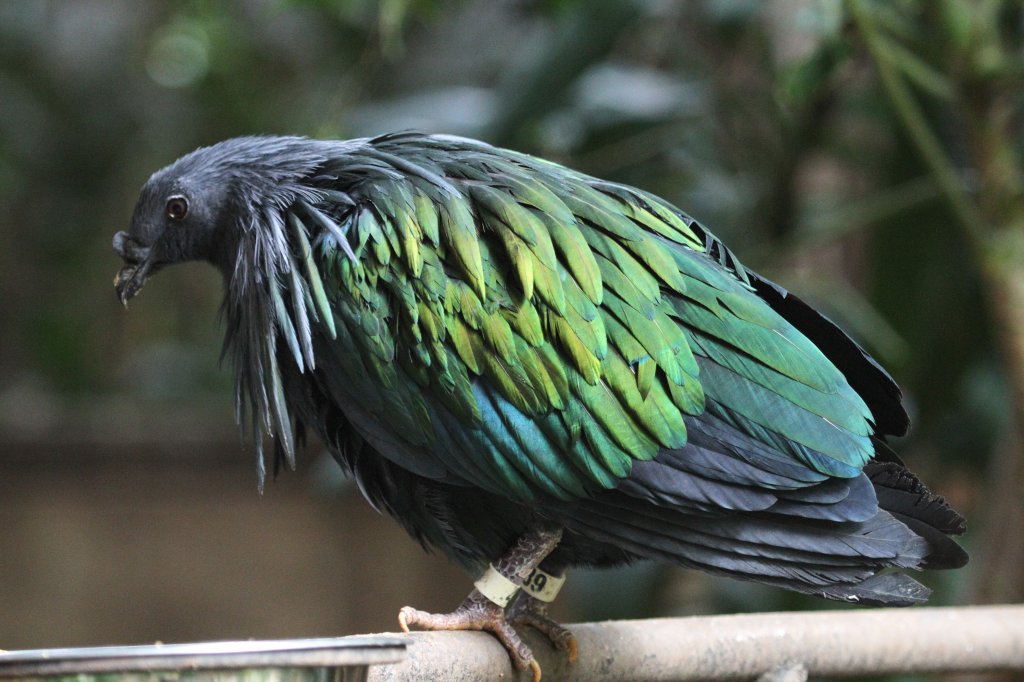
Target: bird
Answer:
[[533, 369]]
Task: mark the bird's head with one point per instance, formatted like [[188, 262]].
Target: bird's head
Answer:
[[176, 219], [198, 207]]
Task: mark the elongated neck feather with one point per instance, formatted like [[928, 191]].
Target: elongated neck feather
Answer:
[[265, 288]]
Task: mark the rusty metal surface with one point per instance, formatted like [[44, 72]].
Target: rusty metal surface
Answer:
[[339, 652], [742, 647]]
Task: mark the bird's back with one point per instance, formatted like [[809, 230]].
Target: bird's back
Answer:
[[507, 329]]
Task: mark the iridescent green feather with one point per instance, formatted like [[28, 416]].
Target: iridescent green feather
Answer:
[[538, 331]]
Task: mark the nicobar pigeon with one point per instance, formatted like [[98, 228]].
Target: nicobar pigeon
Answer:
[[533, 369]]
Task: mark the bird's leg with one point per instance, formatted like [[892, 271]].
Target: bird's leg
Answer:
[[530, 608], [480, 611]]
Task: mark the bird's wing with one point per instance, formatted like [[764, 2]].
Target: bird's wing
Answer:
[[507, 322]]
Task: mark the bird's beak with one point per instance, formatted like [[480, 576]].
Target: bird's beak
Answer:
[[136, 270]]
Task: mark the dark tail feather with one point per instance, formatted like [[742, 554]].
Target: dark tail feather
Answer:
[[833, 560], [887, 589], [903, 495]]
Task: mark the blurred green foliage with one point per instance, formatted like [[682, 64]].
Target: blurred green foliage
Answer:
[[769, 122]]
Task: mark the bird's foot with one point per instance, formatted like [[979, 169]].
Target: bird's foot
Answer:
[[484, 608], [527, 610], [476, 612]]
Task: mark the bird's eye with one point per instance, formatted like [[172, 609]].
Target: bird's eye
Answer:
[[177, 207]]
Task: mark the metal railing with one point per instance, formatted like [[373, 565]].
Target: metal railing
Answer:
[[771, 647]]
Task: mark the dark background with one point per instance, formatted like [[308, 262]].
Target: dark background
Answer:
[[863, 154]]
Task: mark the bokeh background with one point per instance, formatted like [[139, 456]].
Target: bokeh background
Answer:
[[864, 154]]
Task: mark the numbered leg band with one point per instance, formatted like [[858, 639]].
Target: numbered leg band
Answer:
[[543, 586], [496, 587]]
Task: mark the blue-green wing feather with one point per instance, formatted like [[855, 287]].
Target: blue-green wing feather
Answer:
[[533, 331]]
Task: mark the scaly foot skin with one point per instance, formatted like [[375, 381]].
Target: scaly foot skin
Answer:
[[530, 611], [476, 612]]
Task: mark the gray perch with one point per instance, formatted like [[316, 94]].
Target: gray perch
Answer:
[[770, 646]]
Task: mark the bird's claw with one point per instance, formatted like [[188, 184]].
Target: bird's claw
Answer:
[[560, 637], [531, 612], [476, 613]]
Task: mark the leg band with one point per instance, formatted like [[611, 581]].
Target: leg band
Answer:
[[543, 586], [496, 587]]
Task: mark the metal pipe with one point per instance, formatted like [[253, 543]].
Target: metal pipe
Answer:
[[740, 647]]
